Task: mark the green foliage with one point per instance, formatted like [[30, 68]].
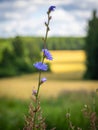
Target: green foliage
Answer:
[[53, 43], [18, 58], [18, 48], [91, 48], [65, 43], [12, 111], [18, 54], [34, 54], [12, 114], [6, 66]]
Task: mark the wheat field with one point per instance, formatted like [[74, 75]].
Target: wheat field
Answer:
[[67, 71], [67, 61]]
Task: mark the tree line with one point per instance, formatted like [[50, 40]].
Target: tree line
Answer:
[[18, 58], [18, 54]]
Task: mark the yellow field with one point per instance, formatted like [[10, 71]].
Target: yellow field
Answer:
[[66, 61], [66, 65], [21, 87]]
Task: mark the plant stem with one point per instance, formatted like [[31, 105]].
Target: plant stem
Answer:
[[47, 30], [40, 72], [38, 88], [37, 99]]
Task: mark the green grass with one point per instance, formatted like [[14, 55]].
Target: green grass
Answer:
[[12, 114], [54, 110]]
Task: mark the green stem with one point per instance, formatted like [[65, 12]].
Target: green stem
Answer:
[[38, 88], [37, 99], [47, 30], [39, 79], [38, 85]]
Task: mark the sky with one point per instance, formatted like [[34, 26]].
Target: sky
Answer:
[[27, 17]]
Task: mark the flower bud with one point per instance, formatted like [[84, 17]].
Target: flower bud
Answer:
[[43, 80]]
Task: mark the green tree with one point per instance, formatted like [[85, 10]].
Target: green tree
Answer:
[[19, 57], [6, 65], [18, 47], [33, 52], [91, 48]]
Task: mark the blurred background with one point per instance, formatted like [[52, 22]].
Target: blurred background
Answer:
[[72, 77]]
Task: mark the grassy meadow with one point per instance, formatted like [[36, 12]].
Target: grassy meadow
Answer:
[[12, 111], [64, 90]]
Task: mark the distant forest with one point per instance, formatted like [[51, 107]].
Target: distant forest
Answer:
[[53, 43], [18, 54]]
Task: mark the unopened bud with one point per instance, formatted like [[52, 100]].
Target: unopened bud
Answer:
[[50, 17], [43, 80]]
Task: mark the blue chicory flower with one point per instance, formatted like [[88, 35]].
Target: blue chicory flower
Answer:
[[47, 54], [41, 66], [43, 80], [51, 8]]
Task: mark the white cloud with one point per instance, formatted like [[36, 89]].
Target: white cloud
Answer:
[[66, 23], [51, 2], [21, 3], [27, 17]]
